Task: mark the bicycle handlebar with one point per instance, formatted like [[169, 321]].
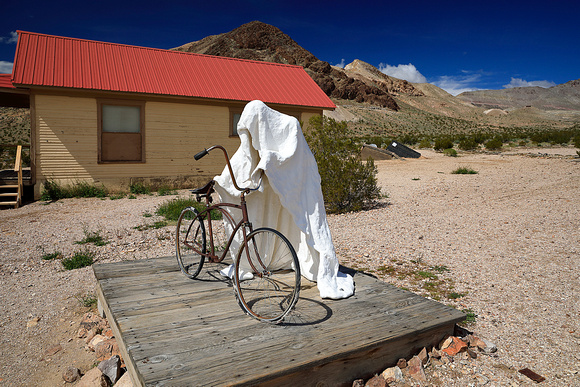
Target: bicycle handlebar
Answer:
[[206, 151]]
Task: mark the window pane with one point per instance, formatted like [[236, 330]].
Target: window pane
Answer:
[[121, 119], [235, 123]]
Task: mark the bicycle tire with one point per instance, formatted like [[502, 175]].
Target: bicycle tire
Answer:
[[274, 289], [190, 242]]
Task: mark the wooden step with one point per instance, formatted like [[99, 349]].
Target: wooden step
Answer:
[[8, 194], [8, 203], [9, 186]]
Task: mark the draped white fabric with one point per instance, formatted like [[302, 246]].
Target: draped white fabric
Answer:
[[290, 198]]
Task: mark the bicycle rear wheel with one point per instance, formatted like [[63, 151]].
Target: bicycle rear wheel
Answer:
[[190, 242], [273, 291]]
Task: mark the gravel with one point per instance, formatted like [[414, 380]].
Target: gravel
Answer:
[[505, 241]]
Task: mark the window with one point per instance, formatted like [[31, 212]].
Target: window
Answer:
[[121, 132]]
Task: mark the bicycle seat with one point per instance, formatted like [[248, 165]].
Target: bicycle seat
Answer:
[[205, 190]]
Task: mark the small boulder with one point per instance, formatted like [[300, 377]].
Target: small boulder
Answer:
[[376, 381], [457, 345], [415, 369], [94, 378], [71, 374], [393, 374], [111, 368], [402, 363]]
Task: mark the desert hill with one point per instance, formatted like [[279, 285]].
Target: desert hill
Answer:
[[264, 42], [560, 97]]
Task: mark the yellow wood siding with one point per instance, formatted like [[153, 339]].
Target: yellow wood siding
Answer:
[[67, 143]]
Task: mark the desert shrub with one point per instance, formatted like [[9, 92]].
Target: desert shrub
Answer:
[[83, 189], [81, 258], [348, 184], [53, 191], [425, 143], [443, 143], [464, 171], [576, 141], [139, 189], [450, 152], [171, 209], [494, 144], [468, 143]]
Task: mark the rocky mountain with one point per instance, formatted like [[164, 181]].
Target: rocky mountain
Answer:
[[560, 97], [264, 42]]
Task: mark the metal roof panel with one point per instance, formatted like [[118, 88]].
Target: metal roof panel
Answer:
[[46, 60]]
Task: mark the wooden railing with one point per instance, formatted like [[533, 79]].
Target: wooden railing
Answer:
[[15, 191]]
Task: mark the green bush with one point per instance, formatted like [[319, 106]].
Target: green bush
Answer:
[[576, 141], [348, 184], [443, 143], [171, 209], [450, 152], [52, 191], [81, 258], [464, 171], [494, 144], [468, 143], [139, 189], [425, 143]]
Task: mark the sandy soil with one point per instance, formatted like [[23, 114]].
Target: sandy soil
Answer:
[[508, 239]]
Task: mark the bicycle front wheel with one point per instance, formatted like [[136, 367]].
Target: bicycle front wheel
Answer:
[[273, 290], [190, 242]]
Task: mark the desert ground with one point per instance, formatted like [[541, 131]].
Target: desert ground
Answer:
[[504, 245]]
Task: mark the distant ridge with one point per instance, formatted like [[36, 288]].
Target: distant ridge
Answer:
[[560, 97]]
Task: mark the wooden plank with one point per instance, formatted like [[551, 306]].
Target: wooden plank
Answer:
[[179, 331]]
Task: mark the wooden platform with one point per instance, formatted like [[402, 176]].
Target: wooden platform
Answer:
[[175, 331]]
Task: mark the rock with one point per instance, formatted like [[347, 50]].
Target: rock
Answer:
[[71, 374], [402, 363], [125, 381], [393, 374], [53, 350], [376, 381], [111, 368], [489, 347], [472, 353], [108, 333], [90, 335], [90, 321], [96, 340], [32, 322], [106, 348], [457, 345], [434, 353], [415, 369], [94, 378], [446, 342], [423, 356], [358, 383]]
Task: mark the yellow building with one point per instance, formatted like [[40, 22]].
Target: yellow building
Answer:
[[117, 114]]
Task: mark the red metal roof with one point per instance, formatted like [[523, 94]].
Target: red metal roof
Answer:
[[45, 60], [5, 81]]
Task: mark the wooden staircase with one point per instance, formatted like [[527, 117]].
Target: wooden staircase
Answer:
[[11, 194]]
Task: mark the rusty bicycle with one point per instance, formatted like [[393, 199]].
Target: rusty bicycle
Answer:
[[266, 271]]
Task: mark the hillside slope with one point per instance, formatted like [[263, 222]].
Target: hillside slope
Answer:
[[560, 97]]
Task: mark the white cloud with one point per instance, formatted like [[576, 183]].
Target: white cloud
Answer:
[[518, 82], [407, 72], [8, 40], [457, 84], [6, 67], [341, 64]]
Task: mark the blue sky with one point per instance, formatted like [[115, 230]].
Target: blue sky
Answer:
[[456, 45]]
